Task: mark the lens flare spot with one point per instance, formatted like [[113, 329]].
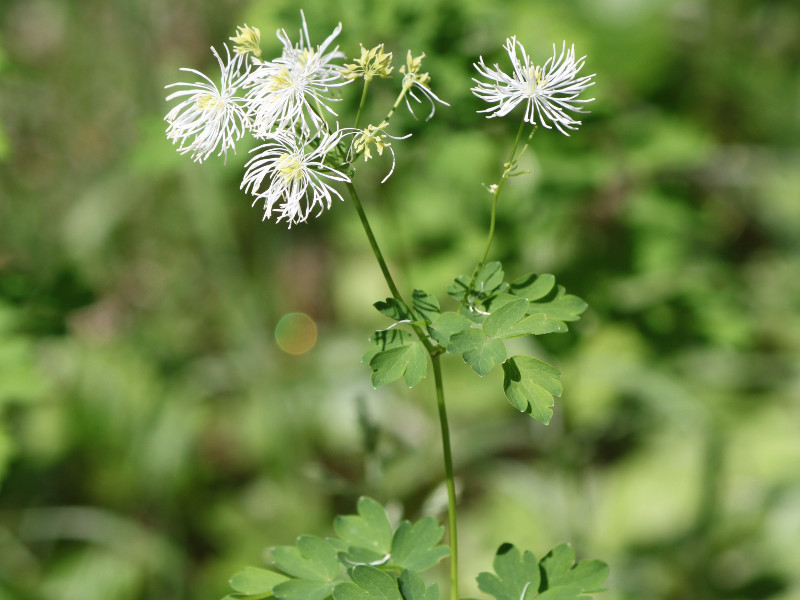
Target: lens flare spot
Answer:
[[296, 333]]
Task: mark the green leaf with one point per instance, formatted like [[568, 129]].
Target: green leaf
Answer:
[[530, 385], [370, 529], [252, 580], [414, 546], [426, 305], [502, 320], [547, 298], [412, 587], [517, 576], [446, 324], [558, 570], [384, 340], [369, 583], [479, 352], [407, 361], [488, 282], [302, 589], [560, 306], [394, 309], [533, 286], [537, 324], [311, 558]]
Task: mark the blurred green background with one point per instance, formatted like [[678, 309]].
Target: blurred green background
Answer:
[[154, 438]]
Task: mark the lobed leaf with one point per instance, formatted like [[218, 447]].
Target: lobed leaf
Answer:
[[253, 580], [559, 569], [369, 529], [530, 385], [394, 309], [533, 287], [368, 583], [488, 282], [416, 546], [412, 587], [303, 589], [408, 361], [517, 576], [479, 352], [556, 577], [503, 319], [310, 558], [384, 340], [446, 324], [425, 304]]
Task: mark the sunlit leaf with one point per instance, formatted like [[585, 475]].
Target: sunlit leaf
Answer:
[[479, 352], [530, 385], [252, 580]]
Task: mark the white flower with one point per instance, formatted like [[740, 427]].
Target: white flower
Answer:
[[293, 170], [209, 116], [548, 91], [294, 88]]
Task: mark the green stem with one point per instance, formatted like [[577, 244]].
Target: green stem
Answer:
[[397, 102], [374, 243], [499, 188], [448, 471], [363, 102], [434, 351]]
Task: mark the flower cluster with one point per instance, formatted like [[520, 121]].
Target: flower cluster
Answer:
[[287, 105]]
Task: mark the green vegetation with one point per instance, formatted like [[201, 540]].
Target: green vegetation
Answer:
[[154, 438]]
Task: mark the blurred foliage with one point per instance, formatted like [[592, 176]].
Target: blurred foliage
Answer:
[[153, 436]]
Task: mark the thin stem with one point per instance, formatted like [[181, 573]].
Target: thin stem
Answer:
[[434, 351], [397, 102], [374, 243], [448, 471], [508, 167], [363, 102]]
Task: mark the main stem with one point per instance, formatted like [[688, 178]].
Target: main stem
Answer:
[[435, 353], [449, 477]]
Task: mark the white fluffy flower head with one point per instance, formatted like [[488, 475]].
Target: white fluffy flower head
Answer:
[[208, 116], [290, 175], [548, 91], [293, 88]]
